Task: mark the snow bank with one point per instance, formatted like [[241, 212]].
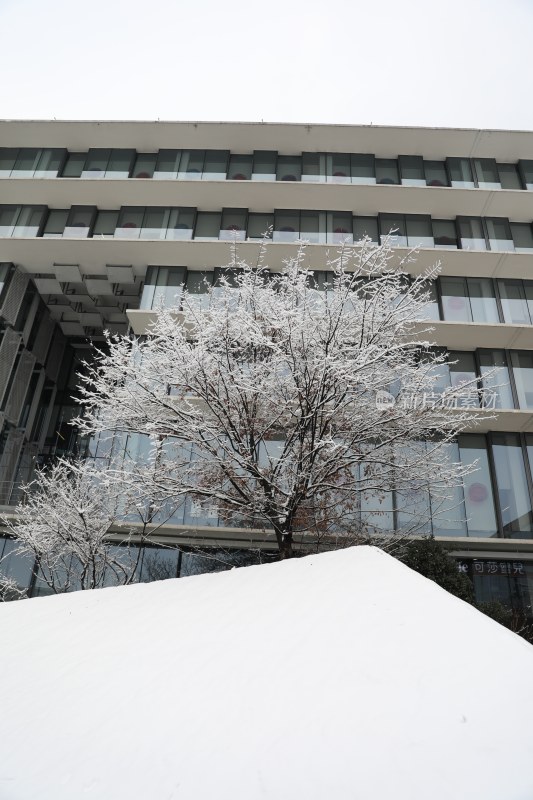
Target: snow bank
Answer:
[[343, 676]]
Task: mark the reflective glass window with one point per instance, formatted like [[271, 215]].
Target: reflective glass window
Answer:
[[448, 515], [435, 173], [455, 303], [155, 223], [215, 165], [8, 156], [487, 174], [79, 222], [191, 165], [509, 176], [365, 226], [49, 162], [515, 503], [15, 566], [499, 233], [313, 226], [514, 303], [144, 165], [105, 225], [130, 221], [339, 227], [393, 225], [289, 168], [445, 234], [260, 225], [207, 225], [159, 563], [419, 230], [167, 165], [198, 284], [497, 384], [55, 224], [522, 365], [96, 163], [313, 167], [286, 226], [363, 168], [463, 371], [26, 163], [120, 163], [74, 165], [233, 224], [412, 170], [526, 171], [180, 223], [28, 221], [264, 165], [482, 300], [471, 233], [338, 168], [522, 237], [240, 168], [8, 217], [387, 170], [479, 500], [460, 173], [431, 310], [163, 287]]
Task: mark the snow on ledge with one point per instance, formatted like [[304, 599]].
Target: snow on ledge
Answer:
[[343, 676]]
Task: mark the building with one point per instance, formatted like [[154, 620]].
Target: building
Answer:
[[100, 220]]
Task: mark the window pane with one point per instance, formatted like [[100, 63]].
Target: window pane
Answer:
[[445, 234], [167, 165], [471, 233], [449, 514], [435, 172], [120, 162], [181, 223], [129, 222], [499, 233], [96, 163], [526, 169], [191, 164], [419, 231], [260, 225], [339, 227], [286, 226], [512, 485], [395, 226], [387, 170], [487, 173], [8, 217], [144, 165], [55, 224], [498, 385], [289, 168], [522, 364], [479, 500], [207, 225], [105, 225], [313, 226], [455, 304], [26, 162], [264, 165], [233, 224], [482, 300], [412, 170], [197, 286], [49, 163], [215, 165], [163, 287], [338, 168], [29, 221], [74, 165], [313, 167], [155, 223], [79, 221], [363, 168], [8, 156], [522, 237], [463, 371], [365, 226], [509, 176], [240, 168], [514, 305], [460, 173]]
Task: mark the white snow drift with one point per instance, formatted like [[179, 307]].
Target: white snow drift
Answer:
[[343, 676]]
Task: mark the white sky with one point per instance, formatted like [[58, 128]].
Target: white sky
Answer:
[[453, 63]]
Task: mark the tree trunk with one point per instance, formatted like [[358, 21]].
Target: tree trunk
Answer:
[[285, 547]]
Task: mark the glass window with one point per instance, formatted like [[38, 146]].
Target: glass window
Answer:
[[339, 227], [363, 168], [49, 163], [431, 310], [167, 165], [289, 168], [191, 165], [471, 233], [264, 165], [526, 172], [55, 224], [8, 217], [460, 173], [26, 162], [482, 300], [155, 223], [514, 304], [144, 165], [487, 173], [435, 172], [130, 221], [445, 234], [8, 156], [215, 165], [163, 287], [28, 221], [455, 304], [181, 223], [79, 222], [74, 165], [499, 233], [207, 225], [260, 225], [365, 226], [522, 365], [463, 371], [412, 170], [419, 230], [395, 226], [387, 170], [313, 226], [448, 514], [512, 485], [509, 176], [120, 163], [286, 226], [198, 284], [522, 237], [96, 163], [499, 393], [240, 168], [105, 225], [338, 168], [313, 167], [479, 500], [233, 224]]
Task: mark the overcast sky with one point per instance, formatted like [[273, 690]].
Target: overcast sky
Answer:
[[452, 63]]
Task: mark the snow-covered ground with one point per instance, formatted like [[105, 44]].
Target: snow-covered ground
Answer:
[[343, 676]]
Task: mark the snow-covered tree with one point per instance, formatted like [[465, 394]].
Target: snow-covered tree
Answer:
[[308, 408]]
